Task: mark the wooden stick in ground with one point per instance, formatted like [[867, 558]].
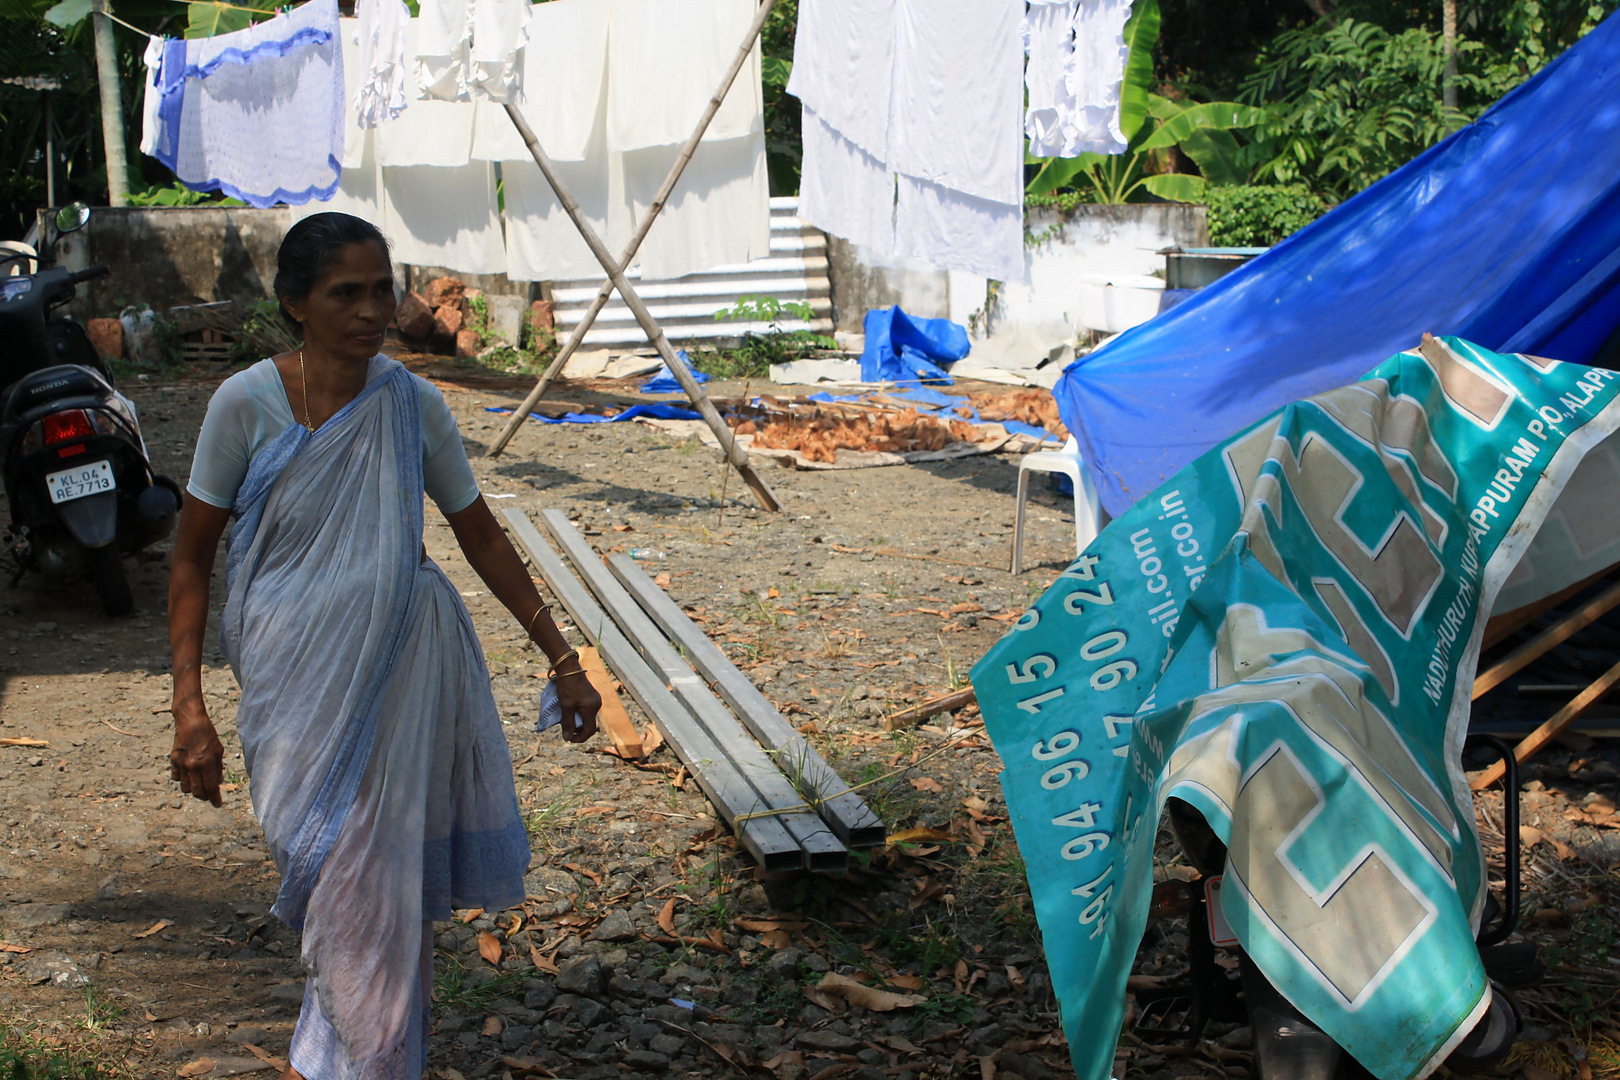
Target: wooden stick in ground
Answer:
[[613, 719], [1544, 642], [577, 336], [950, 702], [655, 333], [1546, 733]]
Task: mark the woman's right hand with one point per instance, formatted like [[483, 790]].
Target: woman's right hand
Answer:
[[197, 760]]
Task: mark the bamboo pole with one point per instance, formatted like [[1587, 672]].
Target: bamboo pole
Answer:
[[577, 336], [736, 455]]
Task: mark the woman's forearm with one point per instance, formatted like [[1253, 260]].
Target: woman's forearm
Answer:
[[188, 623], [497, 564]]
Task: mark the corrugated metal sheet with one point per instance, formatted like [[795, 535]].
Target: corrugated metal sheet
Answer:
[[796, 269]]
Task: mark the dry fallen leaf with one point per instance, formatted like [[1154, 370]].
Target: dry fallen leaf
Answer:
[[624, 528], [468, 916], [489, 947], [925, 783], [515, 925], [760, 926], [200, 1067], [776, 939], [662, 581], [6, 946], [265, 1056], [666, 917], [492, 1026], [865, 996], [448, 1073], [154, 928], [906, 982]]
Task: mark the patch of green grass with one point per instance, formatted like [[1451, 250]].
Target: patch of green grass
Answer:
[[99, 1013], [454, 987], [24, 1055], [543, 822]]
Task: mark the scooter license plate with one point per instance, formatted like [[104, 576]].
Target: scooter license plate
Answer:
[[91, 478]]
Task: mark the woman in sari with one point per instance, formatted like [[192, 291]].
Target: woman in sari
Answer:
[[378, 767]]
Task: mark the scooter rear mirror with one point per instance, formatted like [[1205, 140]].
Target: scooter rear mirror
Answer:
[[72, 217]]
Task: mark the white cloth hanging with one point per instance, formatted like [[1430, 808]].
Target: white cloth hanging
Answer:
[[569, 59], [428, 132], [500, 33], [541, 241], [1095, 73], [377, 85], [354, 136], [958, 96], [665, 60], [843, 189], [441, 54], [152, 95], [719, 213], [925, 160], [948, 228], [1048, 34], [843, 67], [445, 217], [257, 113], [471, 48]]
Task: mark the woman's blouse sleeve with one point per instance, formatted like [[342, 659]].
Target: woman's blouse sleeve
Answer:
[[446, 473], [223, 446]]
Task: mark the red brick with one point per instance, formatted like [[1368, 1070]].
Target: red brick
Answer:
[[107, 335]]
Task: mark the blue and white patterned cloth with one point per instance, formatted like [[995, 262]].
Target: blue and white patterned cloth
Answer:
[[257, 113], [378, 766]]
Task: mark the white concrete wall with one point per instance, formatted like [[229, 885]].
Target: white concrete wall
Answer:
[[1075, 260]]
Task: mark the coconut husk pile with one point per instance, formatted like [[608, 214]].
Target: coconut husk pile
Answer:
[[820, 438], [1037, 408]]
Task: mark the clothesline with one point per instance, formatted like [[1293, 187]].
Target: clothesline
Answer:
[[210, 3]]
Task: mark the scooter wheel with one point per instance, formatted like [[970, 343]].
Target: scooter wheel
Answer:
[[1493, 1036], [107, 575]]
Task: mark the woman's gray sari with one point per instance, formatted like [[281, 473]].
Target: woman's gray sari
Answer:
[[378, 766]]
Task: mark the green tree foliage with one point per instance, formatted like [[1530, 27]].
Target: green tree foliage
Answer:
[[783, 149], [1350, 100]]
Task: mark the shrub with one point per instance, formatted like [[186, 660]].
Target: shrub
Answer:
[[1259, 216]]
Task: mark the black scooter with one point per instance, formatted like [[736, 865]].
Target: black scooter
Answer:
[[81, 488]]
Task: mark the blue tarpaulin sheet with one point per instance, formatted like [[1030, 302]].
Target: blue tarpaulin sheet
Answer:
[[656, 411], [1507, 234], [664, 382], [904, 349]]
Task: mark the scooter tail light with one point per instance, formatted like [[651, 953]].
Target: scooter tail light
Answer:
[[33, 439], [66, 426], [103, 423]]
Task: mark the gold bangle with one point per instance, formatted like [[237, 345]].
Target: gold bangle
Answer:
[[529, 629], [565, 674], [571, 654]]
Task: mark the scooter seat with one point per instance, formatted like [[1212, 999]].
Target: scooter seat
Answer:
[[50, 385]]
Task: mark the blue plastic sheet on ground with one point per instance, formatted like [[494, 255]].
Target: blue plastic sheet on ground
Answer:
[[654, 410], [1507, 234], [903, 349], [663, 380]]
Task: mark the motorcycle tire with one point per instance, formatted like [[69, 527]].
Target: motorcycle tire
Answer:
[[112, 585]]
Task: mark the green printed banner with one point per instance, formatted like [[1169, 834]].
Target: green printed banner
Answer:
[[1284, 636]]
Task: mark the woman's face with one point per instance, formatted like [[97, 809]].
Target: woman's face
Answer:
[[350, 306]]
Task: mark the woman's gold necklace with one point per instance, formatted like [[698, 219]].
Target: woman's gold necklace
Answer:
[[303, 383]]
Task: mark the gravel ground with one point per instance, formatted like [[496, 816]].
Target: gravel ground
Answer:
[[650, 946]]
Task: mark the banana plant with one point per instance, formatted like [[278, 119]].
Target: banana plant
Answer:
[[1152, 124]]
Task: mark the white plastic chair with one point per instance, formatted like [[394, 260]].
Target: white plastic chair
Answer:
[[1087, 506]]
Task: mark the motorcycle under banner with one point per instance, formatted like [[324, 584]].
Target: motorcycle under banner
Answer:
[[1284, 636]]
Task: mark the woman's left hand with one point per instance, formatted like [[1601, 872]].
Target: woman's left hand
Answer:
[[578, 698]]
